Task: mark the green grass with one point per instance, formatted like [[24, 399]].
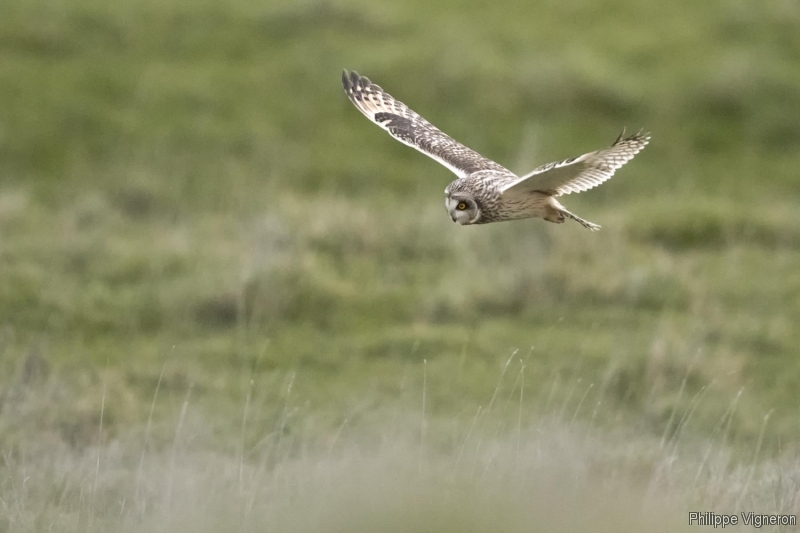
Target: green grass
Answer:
[[184, 188]]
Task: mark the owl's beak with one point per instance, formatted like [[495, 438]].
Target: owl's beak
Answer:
[[453, 217]]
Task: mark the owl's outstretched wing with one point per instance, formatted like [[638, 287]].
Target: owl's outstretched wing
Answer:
[[409, 128], [580, 173]]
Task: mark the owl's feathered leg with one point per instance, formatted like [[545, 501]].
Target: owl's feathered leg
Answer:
[[555, 212], [585, 223]]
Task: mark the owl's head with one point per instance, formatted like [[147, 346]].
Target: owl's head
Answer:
[[463, 207]]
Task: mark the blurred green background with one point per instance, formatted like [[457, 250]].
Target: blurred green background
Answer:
[[185, 189]]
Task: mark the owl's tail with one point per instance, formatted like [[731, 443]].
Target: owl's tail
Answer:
[[585, 223]]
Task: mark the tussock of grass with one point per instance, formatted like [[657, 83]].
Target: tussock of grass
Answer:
[[716, 224], [496, 469]]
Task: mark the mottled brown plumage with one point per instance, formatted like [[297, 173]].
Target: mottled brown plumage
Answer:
[[486, 191]]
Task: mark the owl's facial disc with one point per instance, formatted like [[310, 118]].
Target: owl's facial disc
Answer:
[[462, 208]]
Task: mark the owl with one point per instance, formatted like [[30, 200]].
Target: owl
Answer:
[[484, 190]]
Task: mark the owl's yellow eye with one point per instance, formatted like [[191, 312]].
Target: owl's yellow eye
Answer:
[[461, 206]]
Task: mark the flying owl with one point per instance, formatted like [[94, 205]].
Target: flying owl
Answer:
[[485, 191]]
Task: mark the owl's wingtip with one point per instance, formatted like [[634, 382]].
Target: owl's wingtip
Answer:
[[642, 136], [352, 80]]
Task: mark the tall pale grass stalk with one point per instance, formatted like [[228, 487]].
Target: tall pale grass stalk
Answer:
[[147, 429], [726, 416], [100, 448], [422, 423], [174, 454], [754, 463], [668, 427]]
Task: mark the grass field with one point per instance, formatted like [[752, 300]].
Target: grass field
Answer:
[[189, 204]]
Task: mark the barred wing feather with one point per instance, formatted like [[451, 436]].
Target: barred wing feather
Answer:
[[409, 128], [579, 173]]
